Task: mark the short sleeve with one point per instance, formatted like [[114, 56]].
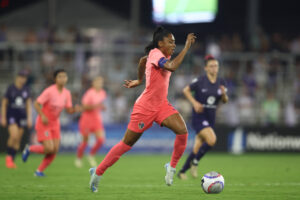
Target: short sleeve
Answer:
[[156, 57], [194, 84], [103, 95], [44, 97], [69, 100], [223, 82], [28, 93]]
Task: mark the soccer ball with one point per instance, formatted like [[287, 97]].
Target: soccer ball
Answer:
[[212, 182]]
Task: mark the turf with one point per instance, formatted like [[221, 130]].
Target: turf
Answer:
[[250, 176]]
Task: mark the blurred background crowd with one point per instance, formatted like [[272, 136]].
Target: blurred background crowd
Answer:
[[262, 71]]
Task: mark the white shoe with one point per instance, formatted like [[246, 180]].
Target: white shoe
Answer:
[[194, 170], [94, 182], [78, 163], [170, 174], [92, 161]]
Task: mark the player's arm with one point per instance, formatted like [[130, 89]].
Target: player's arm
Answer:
[[38, 108], [141, 72], [87, 107], [29, 112], [172, 65], [224, 96], [188, 94], [4, 103]]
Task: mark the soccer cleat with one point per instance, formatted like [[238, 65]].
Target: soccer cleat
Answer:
[[10, 163], [25, 153], [182, 176], [39, 174], [194, 170], [94, 182], [170, 172], [78, 163], [92, 161]]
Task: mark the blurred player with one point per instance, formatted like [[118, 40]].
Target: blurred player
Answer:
[[208, 91], [16, 114], [49, 106], [91, 122], [152, 105]]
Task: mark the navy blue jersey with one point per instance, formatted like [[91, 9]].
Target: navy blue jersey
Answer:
[[208, 94], [17, 101]]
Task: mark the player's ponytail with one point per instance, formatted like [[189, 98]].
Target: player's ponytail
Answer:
[[158, 35]]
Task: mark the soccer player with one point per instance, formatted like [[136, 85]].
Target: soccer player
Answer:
[[16, 114], [152, 105], [91, 122], [49, 106], [208, 91]]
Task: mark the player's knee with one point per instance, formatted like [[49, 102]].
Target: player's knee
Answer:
[[212, 141], [181, 131], [49, 150]]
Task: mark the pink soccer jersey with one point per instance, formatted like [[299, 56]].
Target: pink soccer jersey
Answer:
[[53, 102], [157, 83], [93, 97]]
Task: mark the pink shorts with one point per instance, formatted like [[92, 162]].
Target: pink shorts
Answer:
[[47, 132], [89, 125], [142, 119]]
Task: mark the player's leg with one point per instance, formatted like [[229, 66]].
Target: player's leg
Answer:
[[187, 165], [209, 140], [51, 148], [13, 131], [100, 138], [80, 150], [112, 157], [176, 123]]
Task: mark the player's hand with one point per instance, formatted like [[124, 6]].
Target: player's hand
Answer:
[[44, 119], [223, 89], [3, 122], [77, 108], [198, 107], [131, 83], [29, 123], [190, 40]]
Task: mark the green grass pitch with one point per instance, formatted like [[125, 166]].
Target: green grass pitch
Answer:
[[249, 176]]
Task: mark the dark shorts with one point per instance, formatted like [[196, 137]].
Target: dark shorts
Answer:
[[21, 121], [200, 124]]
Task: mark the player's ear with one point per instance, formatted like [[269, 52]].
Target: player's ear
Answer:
[[160, 43]]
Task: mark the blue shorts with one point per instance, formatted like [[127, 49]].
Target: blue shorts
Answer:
[[21, 121], [200, 124]]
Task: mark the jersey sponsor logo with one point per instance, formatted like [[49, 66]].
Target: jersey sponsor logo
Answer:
[[205, 123], [141, 125], [194, 80], [211, 100]]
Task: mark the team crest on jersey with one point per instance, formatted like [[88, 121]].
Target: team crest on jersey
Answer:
[[205, 123], [141, 125], [211, 100], [24, 94]]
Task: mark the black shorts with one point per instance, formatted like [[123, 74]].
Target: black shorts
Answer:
[[21, 121]]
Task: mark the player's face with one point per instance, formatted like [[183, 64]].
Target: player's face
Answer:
[[61, 78], [98, 83], [212, 67], [21, 80], [167, 46]]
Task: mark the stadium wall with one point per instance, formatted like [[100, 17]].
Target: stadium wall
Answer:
[[160, 140]]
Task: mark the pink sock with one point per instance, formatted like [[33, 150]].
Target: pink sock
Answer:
[[112, 156], [80, 149], [179, 147], [37, 149], [46, 162], [97, 146]]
